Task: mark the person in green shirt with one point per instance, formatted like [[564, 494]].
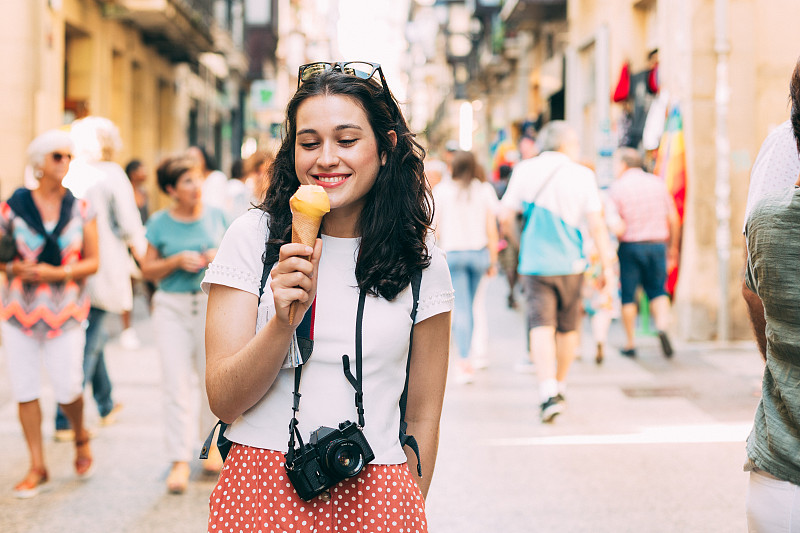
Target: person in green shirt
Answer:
[[772, 294], [182, 241]]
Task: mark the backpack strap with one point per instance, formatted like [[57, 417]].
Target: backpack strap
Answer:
[[305, 342], [547, 180], [405, 439]]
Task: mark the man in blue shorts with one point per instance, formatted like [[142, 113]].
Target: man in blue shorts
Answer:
[[647, 245]]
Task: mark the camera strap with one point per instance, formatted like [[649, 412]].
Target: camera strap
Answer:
[[357, 380], [305, 341], [405, 438]]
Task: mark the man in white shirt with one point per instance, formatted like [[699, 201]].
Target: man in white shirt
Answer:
[[119, 228], [556, 196]]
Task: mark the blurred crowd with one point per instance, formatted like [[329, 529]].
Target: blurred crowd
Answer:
[[79, 240], [86, 236], [567, 248]]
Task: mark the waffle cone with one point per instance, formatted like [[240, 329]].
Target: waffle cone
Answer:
[[304, 230]]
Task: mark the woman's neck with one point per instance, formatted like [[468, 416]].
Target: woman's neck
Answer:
[[343, 226], [49, 189]]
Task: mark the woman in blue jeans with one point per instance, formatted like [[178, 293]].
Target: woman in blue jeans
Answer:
[[466, 227]]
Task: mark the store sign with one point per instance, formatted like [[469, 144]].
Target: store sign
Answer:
[[262, 95]]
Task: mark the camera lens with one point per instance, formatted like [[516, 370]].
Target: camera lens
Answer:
[[345, 458]]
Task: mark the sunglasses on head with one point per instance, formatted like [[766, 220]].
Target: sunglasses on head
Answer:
[[360, 69], [58, 156]]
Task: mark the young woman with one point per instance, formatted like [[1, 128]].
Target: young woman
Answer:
[[466, 225], [345, 133], [44, 300], [182, 240]]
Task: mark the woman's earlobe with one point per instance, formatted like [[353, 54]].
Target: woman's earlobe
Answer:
[[393, 138]]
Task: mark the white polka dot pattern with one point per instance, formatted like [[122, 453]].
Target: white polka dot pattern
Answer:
[[254, 494]]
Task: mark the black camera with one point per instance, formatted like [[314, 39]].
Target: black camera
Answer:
[[330, 456]]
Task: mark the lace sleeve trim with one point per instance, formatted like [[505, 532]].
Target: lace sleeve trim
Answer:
[[222, 272], [440, 298]]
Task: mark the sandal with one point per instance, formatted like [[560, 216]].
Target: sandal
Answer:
[[83, 460], [32, 484], [178, 478]]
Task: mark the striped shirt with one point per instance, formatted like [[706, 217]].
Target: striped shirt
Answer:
[[45, 309], [644, 204]]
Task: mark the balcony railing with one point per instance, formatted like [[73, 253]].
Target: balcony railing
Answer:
[[179, 29], [527, 14]]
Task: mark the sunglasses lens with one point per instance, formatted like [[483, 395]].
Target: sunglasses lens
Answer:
[[314, 69], [57, 157], [359, 69]]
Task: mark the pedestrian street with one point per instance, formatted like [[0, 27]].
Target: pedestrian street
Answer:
[[648, 444]]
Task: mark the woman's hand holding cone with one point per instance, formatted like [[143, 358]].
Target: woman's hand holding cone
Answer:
[[308, 204], [294, 278]]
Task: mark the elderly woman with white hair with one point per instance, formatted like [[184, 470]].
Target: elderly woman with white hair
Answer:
[[43, 302]]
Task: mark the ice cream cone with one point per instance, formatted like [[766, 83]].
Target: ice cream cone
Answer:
[[309, 204], [305, 228]]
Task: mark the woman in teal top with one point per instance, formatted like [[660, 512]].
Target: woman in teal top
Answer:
[[182, 240]]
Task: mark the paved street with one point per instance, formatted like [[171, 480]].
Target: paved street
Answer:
[[646, 445]]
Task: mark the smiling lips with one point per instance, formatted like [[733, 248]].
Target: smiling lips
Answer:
[[331, 180]]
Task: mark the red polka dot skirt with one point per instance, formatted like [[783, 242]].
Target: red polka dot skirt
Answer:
[[254, 494]]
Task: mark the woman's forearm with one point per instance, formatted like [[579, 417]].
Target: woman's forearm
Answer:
[[155, 269], [80, 269], [426, 433], [237, 381]]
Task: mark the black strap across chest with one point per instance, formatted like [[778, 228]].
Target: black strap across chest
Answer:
[[357, 380], [305, 335]]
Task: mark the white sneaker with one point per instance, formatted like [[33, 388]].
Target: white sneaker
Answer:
[[464, 372], [111, 417], [129, 340], [64, 435]]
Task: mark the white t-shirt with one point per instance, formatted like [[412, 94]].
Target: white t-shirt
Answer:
[[552, 243], [238, 198], [776, 168], [215, 189], [119, 225], [461, 214], [327, 396]]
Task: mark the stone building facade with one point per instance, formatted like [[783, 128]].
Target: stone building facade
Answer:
[[725, 64], [153, 67]]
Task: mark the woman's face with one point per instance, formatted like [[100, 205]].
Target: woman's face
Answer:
[[56, 164], [139, 176], [188, 189], [336, 149]]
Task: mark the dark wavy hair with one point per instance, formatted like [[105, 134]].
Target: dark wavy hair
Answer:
[[398, 210], [794, 96]]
